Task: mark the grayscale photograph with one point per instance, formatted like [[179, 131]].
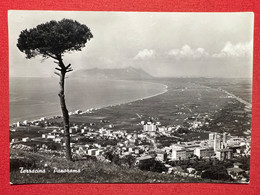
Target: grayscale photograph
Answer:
[[130, 97]]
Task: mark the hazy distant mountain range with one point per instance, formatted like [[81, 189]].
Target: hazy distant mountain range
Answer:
[[126, 74]]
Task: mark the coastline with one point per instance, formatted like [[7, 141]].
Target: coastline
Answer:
[[241, 100], [53, 114], [138, 99], [238, 98]]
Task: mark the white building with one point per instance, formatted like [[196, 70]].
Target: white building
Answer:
[[235, 141], [177, 146], [149, 127], [57, 139], [102, 131], [111, 126], [25, 139], [78, 112], [25, 122], [14, 140], [161, 129], [73, 130], [94, 152], [179, 154], [161, 156], [204, 152], [18, 124], [42, 119], [50, 136]]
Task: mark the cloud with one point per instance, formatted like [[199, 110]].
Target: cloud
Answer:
[[236, 50], [187, 52], [228, 51], [144, 54]]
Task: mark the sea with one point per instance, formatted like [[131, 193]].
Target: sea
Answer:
[[32, 98]]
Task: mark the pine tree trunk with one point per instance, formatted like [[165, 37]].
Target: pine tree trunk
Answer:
[[65, 116]]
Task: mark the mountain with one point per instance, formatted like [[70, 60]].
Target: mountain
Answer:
[[129, 73]]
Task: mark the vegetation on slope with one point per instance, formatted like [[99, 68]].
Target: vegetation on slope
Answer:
[[91, 171]]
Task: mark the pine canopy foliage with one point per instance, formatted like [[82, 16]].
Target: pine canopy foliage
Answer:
[[54, 38]]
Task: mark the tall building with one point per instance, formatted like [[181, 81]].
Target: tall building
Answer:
[[217, 141], [224, 140], [224, 154]]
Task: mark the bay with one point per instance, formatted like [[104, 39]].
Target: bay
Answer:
[[32, 98]]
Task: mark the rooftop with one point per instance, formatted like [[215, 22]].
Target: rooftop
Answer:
[[234, 169]]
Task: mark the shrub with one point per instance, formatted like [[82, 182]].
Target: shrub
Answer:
[[216, 174], [21, 162]]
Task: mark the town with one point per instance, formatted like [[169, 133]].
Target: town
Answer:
[[144, 148]]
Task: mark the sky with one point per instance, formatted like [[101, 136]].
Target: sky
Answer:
[[164, 44]]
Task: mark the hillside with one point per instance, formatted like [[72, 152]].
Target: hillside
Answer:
[[92, 171], [129, 73]]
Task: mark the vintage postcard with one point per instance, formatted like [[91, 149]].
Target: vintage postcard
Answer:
[[130, 97]]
